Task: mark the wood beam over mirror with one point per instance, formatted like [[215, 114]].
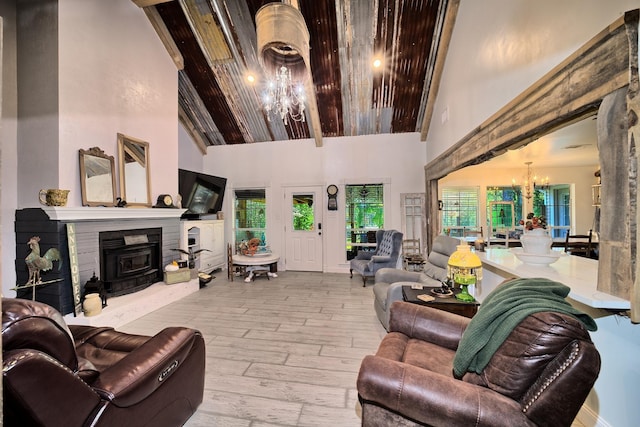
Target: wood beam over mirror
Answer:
[[573, 89], [146, 3]]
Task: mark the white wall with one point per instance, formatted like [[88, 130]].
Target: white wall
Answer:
[[396, 160], [115, 78], [110, 78], [8, 149], [190, 157], [498, 49]]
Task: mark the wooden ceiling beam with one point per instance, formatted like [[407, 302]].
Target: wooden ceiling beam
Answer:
[[191, 129], [147, 3], [436, 74], [162, 31]]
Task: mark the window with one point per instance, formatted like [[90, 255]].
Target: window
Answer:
[[554, 203], [459, 209], [364, 206], [250, 215]]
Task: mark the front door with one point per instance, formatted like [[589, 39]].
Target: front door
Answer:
[[303, 228]]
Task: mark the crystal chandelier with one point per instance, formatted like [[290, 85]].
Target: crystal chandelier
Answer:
[[284, 98], [531, 182]]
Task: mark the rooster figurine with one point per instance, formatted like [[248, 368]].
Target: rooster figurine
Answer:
[[36, 263]]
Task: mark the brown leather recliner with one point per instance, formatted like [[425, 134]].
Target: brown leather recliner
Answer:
[[59, 375], [539, 376]]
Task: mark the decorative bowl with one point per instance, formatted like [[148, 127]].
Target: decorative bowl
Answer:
[[537, 259], [536, 241], [441, 293]]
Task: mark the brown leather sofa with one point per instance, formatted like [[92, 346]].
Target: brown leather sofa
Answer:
[[539, 376], [59, 375]]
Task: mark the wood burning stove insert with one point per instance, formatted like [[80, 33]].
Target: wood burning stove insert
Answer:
[[130, 260]]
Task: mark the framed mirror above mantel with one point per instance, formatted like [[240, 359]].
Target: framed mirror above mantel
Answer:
[[97, 178], [133, 162], [563, 96]]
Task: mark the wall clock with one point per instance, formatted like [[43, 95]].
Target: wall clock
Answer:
[[332, 192]]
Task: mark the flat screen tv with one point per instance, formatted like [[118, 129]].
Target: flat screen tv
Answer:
[[201, 194]]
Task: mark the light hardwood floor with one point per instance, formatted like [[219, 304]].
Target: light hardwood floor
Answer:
[[280, 352]]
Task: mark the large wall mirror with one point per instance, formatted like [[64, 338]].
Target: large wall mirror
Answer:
[[133, 162], [97, 178], [610, 60]]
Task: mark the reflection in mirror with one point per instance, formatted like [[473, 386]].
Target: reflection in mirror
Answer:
[[97, 178], [133, 161]]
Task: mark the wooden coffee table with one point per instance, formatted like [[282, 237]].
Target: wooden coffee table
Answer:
[[450, 304]]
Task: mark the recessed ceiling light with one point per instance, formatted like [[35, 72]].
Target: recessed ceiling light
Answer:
[[251, 78], [377, 63]]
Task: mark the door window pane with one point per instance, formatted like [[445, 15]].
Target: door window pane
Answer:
[[364, 206], [303, 212], [554, 203]]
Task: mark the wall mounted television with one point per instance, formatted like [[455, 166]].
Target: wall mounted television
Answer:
[[201, 194]]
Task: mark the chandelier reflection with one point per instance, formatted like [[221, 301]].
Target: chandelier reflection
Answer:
[[284, 98], [532, 182]]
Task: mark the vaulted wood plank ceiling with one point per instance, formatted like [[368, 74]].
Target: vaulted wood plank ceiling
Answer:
[[213, 43]]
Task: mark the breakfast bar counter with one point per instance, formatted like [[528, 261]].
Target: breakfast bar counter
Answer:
[[579, 273]]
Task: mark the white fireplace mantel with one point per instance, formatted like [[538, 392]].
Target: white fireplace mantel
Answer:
[[57, 213]]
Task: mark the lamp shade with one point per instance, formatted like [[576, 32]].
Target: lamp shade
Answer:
[[465, 268], [464, 259]]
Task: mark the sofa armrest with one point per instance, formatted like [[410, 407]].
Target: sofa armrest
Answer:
[[366, 255], [408, 390], [46, 390], [144, 370], [105, 338], [427, 324], [394, 293], [393, 275], [380, 258]]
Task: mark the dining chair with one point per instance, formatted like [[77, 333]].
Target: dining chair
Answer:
[[411, 246], [472, 232], [412, 258], [578, 244]]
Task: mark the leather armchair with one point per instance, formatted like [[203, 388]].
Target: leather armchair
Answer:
[[387, 288], [539, 376], [386, 255], [59, 375]]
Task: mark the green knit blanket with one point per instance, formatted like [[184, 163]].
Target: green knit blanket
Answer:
[[502, 311]]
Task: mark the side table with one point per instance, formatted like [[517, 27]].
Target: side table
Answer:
[[451, 304]]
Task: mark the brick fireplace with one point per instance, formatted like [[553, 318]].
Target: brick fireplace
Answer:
[[50, 224]]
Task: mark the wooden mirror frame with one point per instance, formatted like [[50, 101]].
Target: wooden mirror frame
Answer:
[[88, 166], [603, 68], [124, 151]]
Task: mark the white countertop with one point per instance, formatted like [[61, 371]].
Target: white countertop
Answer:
[[580, 274]]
